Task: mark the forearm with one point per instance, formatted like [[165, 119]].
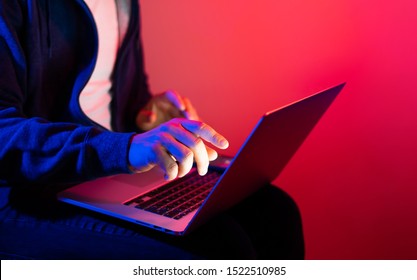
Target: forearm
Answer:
[[37, 152]]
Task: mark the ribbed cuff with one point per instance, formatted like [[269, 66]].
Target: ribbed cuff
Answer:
[[107, 152]]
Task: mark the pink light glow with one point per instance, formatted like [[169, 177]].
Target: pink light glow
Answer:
[[354, 178]]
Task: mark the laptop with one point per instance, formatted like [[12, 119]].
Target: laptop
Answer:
[[180, 206]]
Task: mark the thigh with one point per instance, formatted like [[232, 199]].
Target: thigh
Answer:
[[273, 221]]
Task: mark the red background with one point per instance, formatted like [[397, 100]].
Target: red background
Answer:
[[354, 179]]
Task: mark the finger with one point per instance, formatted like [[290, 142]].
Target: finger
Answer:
[[212, 154], [175, 99], [190, 112], [180, 152], [166, 163], [207, 133], [192, 142], [200, 156], [167, 105]]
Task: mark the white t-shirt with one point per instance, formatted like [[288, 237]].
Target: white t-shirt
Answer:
[[95, 97]]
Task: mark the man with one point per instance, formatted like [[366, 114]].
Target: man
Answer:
[[74, 106], [48, 54]]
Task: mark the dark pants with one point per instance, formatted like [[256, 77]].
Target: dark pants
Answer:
[[265, 226]]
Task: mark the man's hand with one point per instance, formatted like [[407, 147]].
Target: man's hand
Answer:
[[164, 107], [174, 146]]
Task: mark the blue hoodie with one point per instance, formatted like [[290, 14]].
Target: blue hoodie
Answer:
[[48, 50]]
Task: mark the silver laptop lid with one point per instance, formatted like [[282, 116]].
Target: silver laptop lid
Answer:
[[267, 150]]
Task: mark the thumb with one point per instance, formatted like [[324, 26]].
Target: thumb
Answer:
[[147, 117]]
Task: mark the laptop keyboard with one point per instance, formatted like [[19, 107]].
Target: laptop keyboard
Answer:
[[179, 197]]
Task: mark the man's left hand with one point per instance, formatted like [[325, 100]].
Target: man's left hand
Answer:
[[164, 107]]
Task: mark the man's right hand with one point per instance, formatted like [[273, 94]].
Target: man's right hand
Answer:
[[174, 146]]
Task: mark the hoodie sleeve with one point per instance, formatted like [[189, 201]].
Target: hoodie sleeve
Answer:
[[35, 151]]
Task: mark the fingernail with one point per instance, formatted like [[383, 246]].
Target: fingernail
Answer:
[[224, 143]]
